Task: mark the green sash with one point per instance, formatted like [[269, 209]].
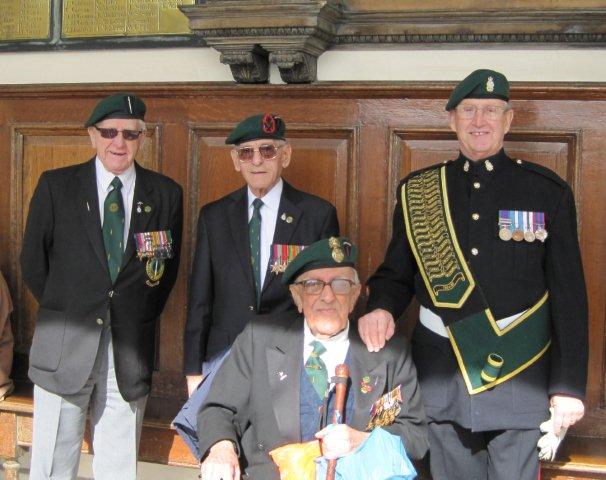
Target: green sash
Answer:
[[487, 355]]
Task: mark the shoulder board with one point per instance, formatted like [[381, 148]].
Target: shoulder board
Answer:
[[421, 170], [541, 170]]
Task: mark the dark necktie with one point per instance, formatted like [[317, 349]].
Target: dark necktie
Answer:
[[316, 369], [113, 228], [254, 232]]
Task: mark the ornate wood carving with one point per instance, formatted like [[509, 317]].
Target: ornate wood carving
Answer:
[[293, 33]]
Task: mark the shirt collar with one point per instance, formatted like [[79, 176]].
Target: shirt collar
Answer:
[[271, 199], [339, 338], [104, 177]]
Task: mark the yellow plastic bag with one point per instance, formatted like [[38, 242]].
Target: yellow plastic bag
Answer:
[[296, 460]]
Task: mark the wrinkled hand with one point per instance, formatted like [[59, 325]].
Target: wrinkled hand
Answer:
[[566, 411], [376, 328], [192, 383], [339, 440], [221, 463]]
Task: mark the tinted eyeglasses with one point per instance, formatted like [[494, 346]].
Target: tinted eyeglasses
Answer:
[[128, 135], [314, 286], [267, 151]]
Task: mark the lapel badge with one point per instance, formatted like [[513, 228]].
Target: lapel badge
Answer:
[[282, 376], [286, 218], [490, 84], [365, 386], [139, 207], [147, 209]]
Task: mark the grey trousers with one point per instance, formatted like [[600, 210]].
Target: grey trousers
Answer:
[[59, 422], [456, 453]]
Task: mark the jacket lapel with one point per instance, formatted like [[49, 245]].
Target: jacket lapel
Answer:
[[289, 215], [238, 224], [139, 217], [88, 198], [284, 361], [365, 364]]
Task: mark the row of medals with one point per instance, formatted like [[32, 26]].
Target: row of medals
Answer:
[[519, 235]]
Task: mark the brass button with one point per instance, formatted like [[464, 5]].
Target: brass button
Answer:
[[110, 294], [476, 185], [251, 308], [475, 216], [474, 251], [519, 162], [99, 321]]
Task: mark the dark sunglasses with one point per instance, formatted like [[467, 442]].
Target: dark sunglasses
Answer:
[[267, 151], [113, 133]]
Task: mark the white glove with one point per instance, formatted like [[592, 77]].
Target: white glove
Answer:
[[548, 444]]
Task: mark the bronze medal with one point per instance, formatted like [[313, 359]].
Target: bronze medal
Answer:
[[541, 234], [505, 234], [518, 235], [529, 236]]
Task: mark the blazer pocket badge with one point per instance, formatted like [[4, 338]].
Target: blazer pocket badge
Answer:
[[386, 409], [155, 248], [281, 255]]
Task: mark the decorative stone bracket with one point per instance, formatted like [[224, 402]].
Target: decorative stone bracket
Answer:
[[250, 34]]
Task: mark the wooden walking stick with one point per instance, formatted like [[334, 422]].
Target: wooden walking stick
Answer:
[[340, 380]]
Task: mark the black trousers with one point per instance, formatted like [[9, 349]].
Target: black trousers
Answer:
[[457, 453]]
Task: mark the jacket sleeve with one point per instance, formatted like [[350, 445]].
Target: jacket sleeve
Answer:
[[226, 407], [411, 423], [201, 295], [568, 302], [392, 285], [38, 238]]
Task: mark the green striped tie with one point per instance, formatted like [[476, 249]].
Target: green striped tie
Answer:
[[316, 369], [113, 228], [254, 232]]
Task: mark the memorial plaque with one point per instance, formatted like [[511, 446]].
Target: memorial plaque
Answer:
[[24, 20], [123, 18]]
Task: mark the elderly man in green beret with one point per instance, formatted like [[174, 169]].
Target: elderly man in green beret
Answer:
[[244, 242], [100, 255], [278, 373], [488, 244]]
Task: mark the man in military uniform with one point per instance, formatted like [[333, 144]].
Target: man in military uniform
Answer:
[[489, 246], [244, 242]]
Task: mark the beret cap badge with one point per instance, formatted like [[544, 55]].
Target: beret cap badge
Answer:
[[490, 84], [337, 253], [269, 123]]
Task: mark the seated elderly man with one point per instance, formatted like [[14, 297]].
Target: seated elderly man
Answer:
[[277, 373]]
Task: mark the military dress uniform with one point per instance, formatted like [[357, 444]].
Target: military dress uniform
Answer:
[[513, 275]]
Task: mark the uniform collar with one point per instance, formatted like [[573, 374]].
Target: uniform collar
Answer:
[[485, 166]]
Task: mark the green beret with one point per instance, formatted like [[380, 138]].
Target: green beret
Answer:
[[265, 125], [119, 105], [480, 84], [330, 252]]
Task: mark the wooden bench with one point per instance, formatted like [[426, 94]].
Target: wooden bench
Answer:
[[580, 458], [160, 442]]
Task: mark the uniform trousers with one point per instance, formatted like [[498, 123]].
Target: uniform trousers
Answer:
[[457, 453], [59, 422]]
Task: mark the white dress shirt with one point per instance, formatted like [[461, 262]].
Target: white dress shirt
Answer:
[[336, 348], [269, 216], [104, 180]]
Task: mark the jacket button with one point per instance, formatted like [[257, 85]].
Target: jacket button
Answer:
[[260, 447], [251, 308], [474, 251], [475, 216], [110, 294], [476, 185], [99, 321]]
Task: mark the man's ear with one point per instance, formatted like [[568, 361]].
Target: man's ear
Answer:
[[234, 157], [296, 296], [93, 138]]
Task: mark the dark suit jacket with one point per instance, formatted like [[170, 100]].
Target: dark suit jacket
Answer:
[[513, 276], [256, 405], [222, 298], [64, 265]]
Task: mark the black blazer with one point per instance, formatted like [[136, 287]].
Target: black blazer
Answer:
[[63, 264], [257, 405], [222, 298]]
